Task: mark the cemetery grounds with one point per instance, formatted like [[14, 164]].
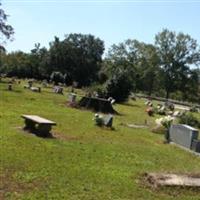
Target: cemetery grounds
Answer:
[[84, 161]]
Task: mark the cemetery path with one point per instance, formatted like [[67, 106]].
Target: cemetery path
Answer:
[[182, 107]]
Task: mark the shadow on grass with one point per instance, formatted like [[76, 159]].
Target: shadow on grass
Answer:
[[39, 134], [130, 104], [76, 106], [15, 91]]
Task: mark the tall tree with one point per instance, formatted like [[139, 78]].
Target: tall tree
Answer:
[[79, 56], [123, 57], [6, 30], [177, 53], [148, 68]]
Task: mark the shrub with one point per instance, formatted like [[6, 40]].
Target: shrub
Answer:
[[189, 119], [193, 109], [119, 86], [102, 77], [96, 88], [57, 77]]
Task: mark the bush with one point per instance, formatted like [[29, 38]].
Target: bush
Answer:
[[189, 119], [119, 86], [102, 77], [57, 77], [96, 88], [193, 109]]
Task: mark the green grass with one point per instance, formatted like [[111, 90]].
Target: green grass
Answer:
[[85, 162]]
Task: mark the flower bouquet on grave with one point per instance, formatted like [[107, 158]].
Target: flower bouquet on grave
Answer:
[[99, 121], [150, 111], [166, 122]]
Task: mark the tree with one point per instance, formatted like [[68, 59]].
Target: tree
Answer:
[[192, 87], [39, 62], [15, 64], [177, 53], [124, 58], [79, 56], [147, 68], [6, 30]]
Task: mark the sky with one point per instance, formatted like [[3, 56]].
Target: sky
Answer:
[[113, 21]]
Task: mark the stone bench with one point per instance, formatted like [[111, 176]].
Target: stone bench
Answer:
[[38, 125]]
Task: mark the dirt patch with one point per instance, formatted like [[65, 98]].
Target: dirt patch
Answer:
[[53, 135], [8, 185], [172, 180], [64, 137], [36, 133], [134, 125]]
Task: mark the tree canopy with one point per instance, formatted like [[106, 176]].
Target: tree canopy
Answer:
[[6, 30], [167, 68]]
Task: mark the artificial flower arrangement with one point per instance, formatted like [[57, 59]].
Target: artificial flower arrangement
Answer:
[[150, 111], [166, 122], [98, 119]]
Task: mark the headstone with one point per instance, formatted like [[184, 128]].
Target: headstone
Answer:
[[108, 120], [149, 103], [176, 113], [30, 83], [44, 83], [58, 90], [183, 135], [9, 87], [196, 146], [169, 105], [75, 84], [112, 101], [72, 98]]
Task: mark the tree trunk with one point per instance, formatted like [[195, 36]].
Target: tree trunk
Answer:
[[167, 94]]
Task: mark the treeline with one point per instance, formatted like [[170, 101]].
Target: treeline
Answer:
[[168, 68]]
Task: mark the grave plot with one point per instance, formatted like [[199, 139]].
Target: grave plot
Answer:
[[164, 179], [97, 104]]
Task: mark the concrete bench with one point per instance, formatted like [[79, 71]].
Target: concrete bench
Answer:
[[39, 125]]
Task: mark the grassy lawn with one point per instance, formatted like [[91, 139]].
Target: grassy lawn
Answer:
[[85, 161]]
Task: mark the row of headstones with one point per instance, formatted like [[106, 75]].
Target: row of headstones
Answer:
[[185, 136], [100, 120], [56, 89], [30, 86], [164, 109], [169, 105]]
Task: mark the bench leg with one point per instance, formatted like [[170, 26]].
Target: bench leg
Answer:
[[29, 125], [44, 130]]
